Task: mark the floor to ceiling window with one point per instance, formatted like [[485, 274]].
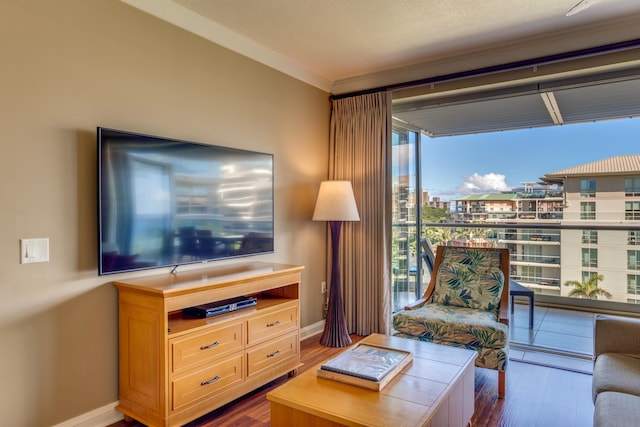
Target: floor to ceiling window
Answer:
[[407, 270], [492, 191], [547, 166]]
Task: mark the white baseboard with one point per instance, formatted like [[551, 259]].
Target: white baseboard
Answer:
[[311, 330], [107, 415], [100, 417]]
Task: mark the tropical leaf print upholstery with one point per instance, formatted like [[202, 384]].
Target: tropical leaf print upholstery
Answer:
[[447, 323], [469, 278], [490, 358], [473, 329], [461, 306]]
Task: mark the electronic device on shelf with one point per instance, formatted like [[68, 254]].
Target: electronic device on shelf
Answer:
[[219, 307]]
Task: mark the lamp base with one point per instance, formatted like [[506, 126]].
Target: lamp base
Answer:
[[335, 328], [335, 334]]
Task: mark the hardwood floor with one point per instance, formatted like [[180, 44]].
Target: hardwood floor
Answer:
[[537, 396]]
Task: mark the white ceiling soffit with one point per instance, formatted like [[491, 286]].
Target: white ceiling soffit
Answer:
[[349, 45], [611, 96]]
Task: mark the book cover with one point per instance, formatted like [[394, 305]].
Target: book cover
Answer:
[[367, 362]]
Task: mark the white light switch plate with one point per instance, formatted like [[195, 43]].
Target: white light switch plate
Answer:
[[34, 250]]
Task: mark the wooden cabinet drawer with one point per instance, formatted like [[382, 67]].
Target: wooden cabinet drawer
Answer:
[[203, 382], [205, 346], [270, 354], [274, 323]]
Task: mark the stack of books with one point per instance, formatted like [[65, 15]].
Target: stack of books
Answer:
[[366, 366]]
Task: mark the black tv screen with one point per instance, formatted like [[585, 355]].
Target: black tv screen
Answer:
[[165, 202]]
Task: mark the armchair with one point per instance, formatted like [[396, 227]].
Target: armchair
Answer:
[[466, 304]]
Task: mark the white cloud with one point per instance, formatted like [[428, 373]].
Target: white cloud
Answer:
[[489, 183]]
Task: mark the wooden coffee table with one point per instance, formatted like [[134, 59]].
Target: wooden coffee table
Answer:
[[436, 389]]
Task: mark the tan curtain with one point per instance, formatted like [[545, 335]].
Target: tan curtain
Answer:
[[360, 150]]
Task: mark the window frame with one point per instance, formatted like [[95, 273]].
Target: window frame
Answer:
[[587, 214], [632, 210], [590, 257], [633, 259], [587, 187], [590, 237], [636, 285], [632, 186]]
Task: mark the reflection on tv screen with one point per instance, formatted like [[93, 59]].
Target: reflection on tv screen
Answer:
[[165, 202]]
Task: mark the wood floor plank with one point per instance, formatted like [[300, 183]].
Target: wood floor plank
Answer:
[[536, 396]]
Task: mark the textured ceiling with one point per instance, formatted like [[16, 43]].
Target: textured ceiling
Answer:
[[340, 39], [344, 46]]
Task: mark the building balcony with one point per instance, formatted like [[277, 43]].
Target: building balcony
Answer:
[[536, 260], [538, 215], [522, 240]]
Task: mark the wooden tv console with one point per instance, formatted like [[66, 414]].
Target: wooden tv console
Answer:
[[174, 369]]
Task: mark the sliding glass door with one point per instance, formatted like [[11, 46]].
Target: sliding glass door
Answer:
[[407, 270], [494, 189]]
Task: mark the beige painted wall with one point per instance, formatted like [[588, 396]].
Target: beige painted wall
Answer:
[[67, 67]]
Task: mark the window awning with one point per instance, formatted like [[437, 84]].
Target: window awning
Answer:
[[605, 96]]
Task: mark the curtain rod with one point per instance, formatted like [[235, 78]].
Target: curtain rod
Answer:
[[549, 59]]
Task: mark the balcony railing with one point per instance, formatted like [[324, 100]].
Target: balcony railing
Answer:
[[560, 257], [527, 237], [539, 259], [474, 215]]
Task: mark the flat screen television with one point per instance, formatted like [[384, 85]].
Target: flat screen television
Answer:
[[164, 202]]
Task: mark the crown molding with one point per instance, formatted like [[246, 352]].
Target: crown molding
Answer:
[[190, 21]]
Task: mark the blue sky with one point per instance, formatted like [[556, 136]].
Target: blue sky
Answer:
[[492, 162]]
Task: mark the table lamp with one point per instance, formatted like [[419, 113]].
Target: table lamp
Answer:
[[335, 204]]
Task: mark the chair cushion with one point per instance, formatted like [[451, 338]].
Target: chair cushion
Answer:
[[490, 358], [616, 410], [616, 372], [469, 278], [448, 323]]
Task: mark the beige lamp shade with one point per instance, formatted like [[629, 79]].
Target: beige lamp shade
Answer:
[[336, 202]]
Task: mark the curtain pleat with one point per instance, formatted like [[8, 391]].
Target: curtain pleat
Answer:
[[360, 149]]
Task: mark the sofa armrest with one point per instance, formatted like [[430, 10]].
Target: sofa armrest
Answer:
[[612, 334]]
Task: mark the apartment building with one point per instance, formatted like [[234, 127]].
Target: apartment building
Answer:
[[535, 253], [604, 198], [488, 206], [437, 202], [593, 208]]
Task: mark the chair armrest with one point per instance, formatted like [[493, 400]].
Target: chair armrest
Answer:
[[416, 304], [503, 314], [613, 334]]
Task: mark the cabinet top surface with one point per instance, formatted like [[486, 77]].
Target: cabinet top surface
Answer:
[[169, 283]]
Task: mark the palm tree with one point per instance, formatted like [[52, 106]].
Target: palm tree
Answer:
[[438, 235], [588, 289]]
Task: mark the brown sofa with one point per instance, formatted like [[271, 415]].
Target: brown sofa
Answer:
[[616, 371]]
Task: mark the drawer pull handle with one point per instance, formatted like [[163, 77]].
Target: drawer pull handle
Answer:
[[205, 347], [276, 323], [277, 353], [211, 381]]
